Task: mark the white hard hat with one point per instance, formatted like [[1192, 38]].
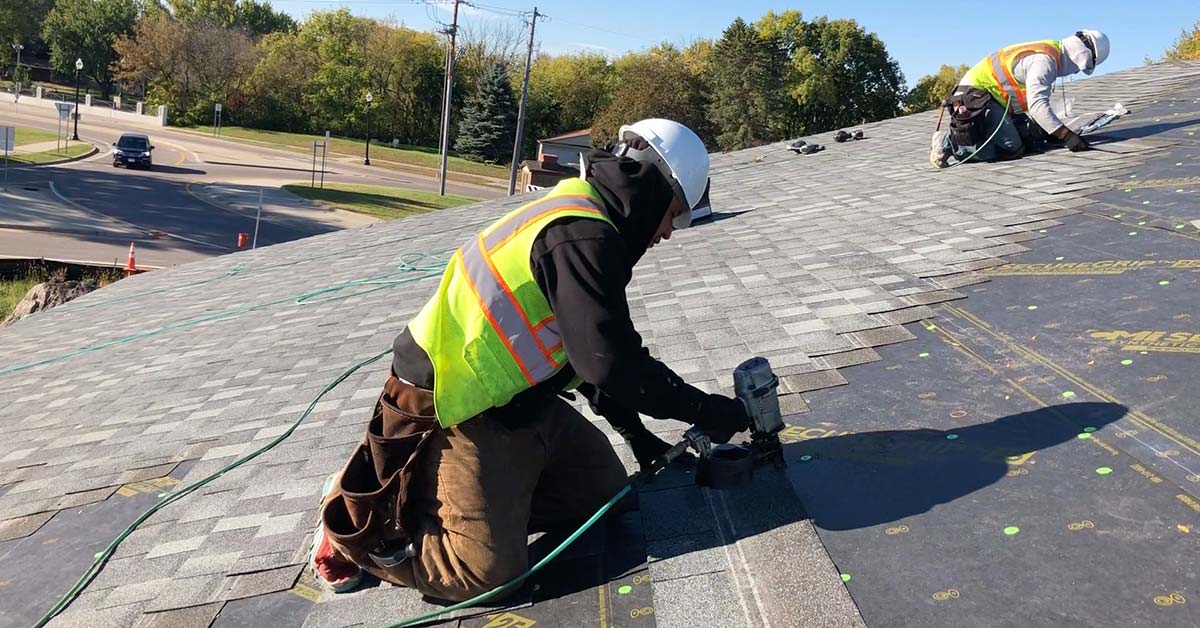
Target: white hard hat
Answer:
[[1097, 44], [678, 152]]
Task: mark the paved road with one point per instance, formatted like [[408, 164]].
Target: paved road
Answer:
[[174, 197]]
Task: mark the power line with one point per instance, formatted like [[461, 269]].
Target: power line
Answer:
[[610, 32]]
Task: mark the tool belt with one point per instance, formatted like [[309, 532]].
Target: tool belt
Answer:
[[967, 116], [365, 514]]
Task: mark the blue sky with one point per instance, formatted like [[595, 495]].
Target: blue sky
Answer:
[[920, 35]]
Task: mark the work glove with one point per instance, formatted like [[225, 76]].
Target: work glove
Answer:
[[1074, 142], [721, 417], [645, 445]]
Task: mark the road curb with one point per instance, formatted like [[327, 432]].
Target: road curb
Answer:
[[85, 232], [64, 160]]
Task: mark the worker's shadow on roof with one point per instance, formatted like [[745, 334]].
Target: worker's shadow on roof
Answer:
[[1126, 131], [866, 479], [840, 482], [718, 217]]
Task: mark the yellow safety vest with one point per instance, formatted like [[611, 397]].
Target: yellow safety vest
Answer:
[[994, 73], [488, 329]]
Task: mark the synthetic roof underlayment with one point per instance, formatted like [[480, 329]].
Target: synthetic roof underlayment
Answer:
[[138, 390]]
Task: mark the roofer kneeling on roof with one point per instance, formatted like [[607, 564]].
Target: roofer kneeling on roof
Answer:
[[471, 447], [1022, 76]]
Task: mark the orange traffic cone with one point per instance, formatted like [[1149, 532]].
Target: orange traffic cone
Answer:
[[131, 265]]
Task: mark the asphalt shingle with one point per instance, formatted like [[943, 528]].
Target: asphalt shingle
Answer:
[[812, 261]]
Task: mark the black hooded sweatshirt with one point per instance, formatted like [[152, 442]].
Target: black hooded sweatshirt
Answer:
[[583, 266]]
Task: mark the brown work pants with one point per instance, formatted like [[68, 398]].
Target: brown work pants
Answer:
[[472, 492]]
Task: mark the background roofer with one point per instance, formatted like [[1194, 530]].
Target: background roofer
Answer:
[[470, 447], [1023, 76]]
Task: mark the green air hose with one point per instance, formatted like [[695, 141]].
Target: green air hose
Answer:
[[479, 599], [406, 267], [104, 555]]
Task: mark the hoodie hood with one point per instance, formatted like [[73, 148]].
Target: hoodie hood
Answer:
[[636, 197], [1075, 57]]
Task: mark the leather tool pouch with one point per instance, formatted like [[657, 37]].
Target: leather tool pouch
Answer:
[[366, 516], [967, 117]]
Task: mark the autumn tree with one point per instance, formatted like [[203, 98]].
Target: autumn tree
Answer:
[[1187, 46], [187, 67], [653, 84], [566, 92], [933, 89]]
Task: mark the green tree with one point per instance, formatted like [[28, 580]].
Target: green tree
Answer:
[[933, 89], [20, 23], [406, 75], [566, 92], [333, 95], [277, 85], [746, 77], [259, 18], [837, 74], [641, 78], [1187, 46], [489, 120], [254, 16], [87, 29], [219, 12]]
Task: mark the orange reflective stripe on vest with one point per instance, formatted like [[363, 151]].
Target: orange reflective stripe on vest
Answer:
[[1000, 67], [531, 345], [510, 227], [488, 329]]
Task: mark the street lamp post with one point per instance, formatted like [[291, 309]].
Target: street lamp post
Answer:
[[367, 157], [17, 71], [78, 69]]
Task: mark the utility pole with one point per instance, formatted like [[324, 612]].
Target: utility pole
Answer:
[[516, 158], [446, 101]]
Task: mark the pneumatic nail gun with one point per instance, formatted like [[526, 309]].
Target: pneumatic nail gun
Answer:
[[728, 465]]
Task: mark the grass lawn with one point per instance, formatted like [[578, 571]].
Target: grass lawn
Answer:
[[373, 200], [11, 293], [76, 149], [412, 155], [26, 135]]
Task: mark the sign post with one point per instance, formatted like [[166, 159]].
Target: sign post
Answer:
[[9, 140], [257, 217], [324, 152], [216, 119], [64, 112]]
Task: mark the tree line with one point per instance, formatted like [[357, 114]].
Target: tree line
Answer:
[[775, 78]]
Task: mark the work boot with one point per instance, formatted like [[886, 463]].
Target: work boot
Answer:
[[940, 149], [326, 562]]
